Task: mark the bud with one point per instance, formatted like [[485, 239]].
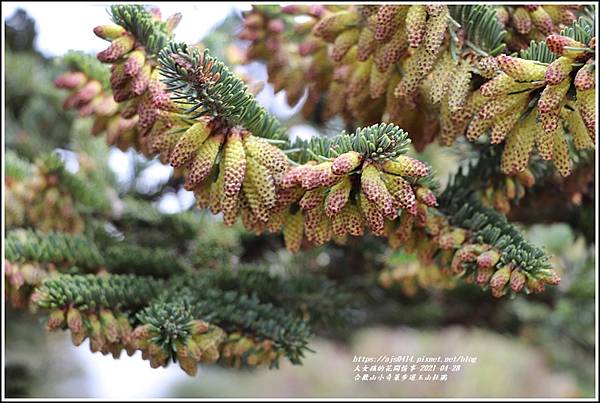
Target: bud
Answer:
[[110, 327], [133, 64], [519, 145], [552, 278], [56, 320], [558, 70], [372, 216], [109, 31], [552, 95], [587, 109], [517, 280], [401, 190], [488, 259], [343, 42], [535, 285], [118, 48], [484, 274], [70, 80], [32, 274], [558, 43], [521, 20], [293, 231], [378, 81], [97, 340], [387, 22], [140, 82], [234, 160], [560, 152], [503, 84], [415, 24], [542, 21], [585, 79], [435, 30], [459, 86], [505, 122], [352, 219], [581, 138], [366, 44], [426, 196], [521, 69], [500, 278], [345, 163], [503, 15], [328, 27], [406, 166], [204, 160], [188, 365], [262, 181], [75, 324], [266, 154], [376, 192], [488, 67], [198, 326], [338, 197]]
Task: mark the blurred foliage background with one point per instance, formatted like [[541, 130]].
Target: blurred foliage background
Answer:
[[534, 346]]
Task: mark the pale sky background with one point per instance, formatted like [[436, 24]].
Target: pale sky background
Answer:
[[68, 26], [64, 26]]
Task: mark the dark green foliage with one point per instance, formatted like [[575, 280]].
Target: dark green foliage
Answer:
[[482, 29], [152, 33], [490, 227], [157, 262], [116, 292], [59, 248], [199, 79]]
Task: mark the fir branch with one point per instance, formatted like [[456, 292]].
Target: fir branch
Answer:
[[152, 33], [377, 142], [232, 311], [482, 29], [204, 82], [53, 247], [488, 226], [77, 251], [142, 221], [157, 262], [315, 297], [115, 292]]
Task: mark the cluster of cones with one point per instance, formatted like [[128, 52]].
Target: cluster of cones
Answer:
[[526, 23], [40, 198], [410, 277], [507, 191], [136, 104], [349, 194], [504, 105], [110, 332], [89, 98], [407, 65], [456, 252]]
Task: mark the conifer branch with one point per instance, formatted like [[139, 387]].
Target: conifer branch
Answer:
[[210, 89], [481, 27]]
